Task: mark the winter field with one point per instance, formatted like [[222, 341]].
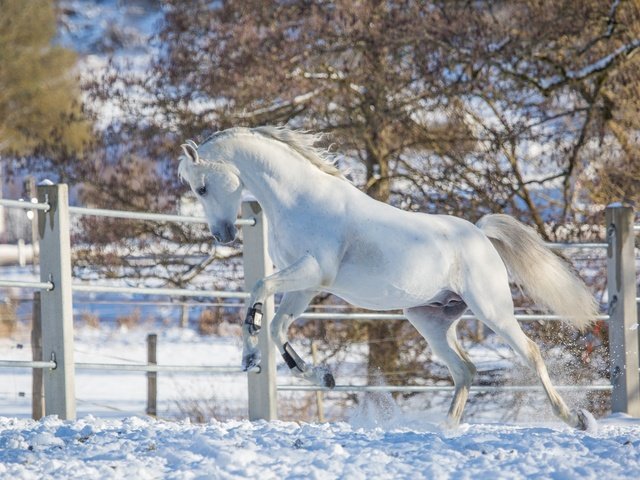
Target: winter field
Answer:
[[138, 447], [375, 438]]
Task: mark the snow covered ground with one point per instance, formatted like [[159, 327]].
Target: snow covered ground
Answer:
[[142, 448], [113, 439]]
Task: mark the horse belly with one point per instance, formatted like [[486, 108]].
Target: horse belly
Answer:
[[389, 283], [383, 299]]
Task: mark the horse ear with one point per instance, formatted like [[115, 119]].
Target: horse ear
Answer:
[[190, 149]]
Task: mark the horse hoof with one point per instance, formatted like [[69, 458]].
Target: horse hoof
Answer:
[[329, 381], [250, 361], [586, 421], [321, 376]]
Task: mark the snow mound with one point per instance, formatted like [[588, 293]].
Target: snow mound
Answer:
[[145, 448]]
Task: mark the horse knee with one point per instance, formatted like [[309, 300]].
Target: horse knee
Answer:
[[462, 368], [467, 364], [471, 372]]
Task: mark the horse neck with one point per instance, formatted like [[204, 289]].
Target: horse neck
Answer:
[[273, 174]]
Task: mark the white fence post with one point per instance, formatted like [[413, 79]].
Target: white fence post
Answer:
[[623, 331], [152, 377], [257, 265], [56, 304], [37, 387]]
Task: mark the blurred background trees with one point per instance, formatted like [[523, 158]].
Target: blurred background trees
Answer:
[[451, 107], [40, 109], [463, 107]]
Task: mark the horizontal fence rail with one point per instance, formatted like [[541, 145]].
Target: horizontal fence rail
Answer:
[[24, 205], [27, 364], [182, 292], [130, 367], [143, 367], [154, 217], [399, 316], [26, 284], [586, 246], [437, 388], [130, 215]]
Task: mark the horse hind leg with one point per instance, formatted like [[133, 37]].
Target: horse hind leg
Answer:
[[437, 324], [530, 352], [495, 309]]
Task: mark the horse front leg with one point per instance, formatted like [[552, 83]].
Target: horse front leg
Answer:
[[304, 274], [291, 307]]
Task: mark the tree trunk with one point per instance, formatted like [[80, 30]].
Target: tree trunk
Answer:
[[384, 350], [378, 185], [383, 365]]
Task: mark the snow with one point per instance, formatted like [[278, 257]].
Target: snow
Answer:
[[112, 437], [137, 447]]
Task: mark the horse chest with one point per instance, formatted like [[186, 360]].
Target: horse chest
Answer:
[[288, 242]]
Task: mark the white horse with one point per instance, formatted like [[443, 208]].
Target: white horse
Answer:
[[326, 235]]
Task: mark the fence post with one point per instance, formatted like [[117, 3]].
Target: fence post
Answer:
[[623, 333], [319, 394], [37, 393], [32, 191], [257, 265], [56, 304], [152, 377]]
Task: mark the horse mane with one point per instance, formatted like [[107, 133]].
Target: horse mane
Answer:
[[302, 142]]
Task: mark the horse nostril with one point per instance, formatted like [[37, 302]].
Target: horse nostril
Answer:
[[226, 233], [230, 231]]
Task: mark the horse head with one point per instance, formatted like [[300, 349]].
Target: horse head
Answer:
[[217, 186]]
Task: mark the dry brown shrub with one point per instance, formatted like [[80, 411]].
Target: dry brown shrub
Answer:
[[8, 318], [209, 322], [131, 320], [89, 319]]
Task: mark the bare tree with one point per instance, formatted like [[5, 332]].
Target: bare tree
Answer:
[[451, 107]]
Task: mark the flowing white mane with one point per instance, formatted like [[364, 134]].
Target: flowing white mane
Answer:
[[303, 143]]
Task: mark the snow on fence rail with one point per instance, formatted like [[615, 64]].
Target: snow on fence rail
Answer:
[[56, 300]]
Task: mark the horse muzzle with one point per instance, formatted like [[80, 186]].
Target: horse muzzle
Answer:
[[225, 233]]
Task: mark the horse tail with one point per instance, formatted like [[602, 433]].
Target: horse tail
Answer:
[[544, 276]]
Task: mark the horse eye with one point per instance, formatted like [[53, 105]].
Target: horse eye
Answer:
[[201, 190]]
